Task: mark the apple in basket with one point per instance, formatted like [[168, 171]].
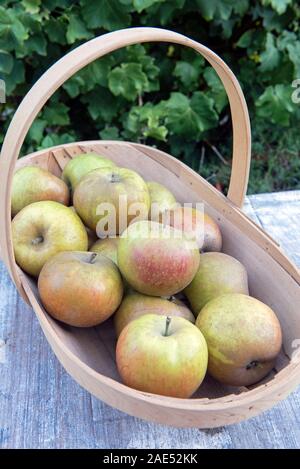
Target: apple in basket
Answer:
[[41, 230], [218, 273], [135, 305], [108, 247], [161, 199], [108, 199], [34, 184], [243, 337], [198, 223], [162, 355], [157, 260], [80, 288], [81, 165]]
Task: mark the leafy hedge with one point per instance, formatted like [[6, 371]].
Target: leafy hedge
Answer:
[[161, 94]]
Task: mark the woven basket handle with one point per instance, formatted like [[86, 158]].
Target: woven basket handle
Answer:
[[78, 58]]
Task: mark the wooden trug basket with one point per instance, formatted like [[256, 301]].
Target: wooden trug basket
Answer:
[[89, 354]]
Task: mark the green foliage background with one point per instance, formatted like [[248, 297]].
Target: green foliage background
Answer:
[[160, 94]]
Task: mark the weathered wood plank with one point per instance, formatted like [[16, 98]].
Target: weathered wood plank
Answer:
[[42, 407]]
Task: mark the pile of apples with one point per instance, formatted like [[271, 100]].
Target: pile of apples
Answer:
[[181, 307]]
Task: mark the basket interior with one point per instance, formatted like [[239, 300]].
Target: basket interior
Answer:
[[268, 281]]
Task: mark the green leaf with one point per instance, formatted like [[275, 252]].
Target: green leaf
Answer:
[[271, 56], [278, 5], [141, 5], [37, 129], [102, 104], [217, 91], [76, 30], [54, 139], [36, 43], [204, 107], [15, 77], [56, 30], [215, 9], [186, 72], [107, 14], [294, 55], [128, 81], [74, 85], [32, 6], [246, 39], [6, 62], [276, 104], [57, 114], [190, 117], [110, 133]]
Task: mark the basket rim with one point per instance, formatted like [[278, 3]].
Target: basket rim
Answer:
[[290, 373]]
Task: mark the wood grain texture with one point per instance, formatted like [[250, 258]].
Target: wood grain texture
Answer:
[[42, 407]]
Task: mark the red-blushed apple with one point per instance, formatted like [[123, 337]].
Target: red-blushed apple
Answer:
[[197, 223], [33, 184], [157, 260], [218, 273], [81, 289], [135, 305], [108, 199], [162, 355], [108, 247], [82, 164], [41, 230], [243, 337]]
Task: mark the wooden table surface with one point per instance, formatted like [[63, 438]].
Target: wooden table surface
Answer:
[[42, 407]]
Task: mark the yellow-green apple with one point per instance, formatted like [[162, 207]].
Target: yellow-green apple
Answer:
[[157, 260], [243, 336], [81, 165], [108, 199], [162, 355], [92, 237], [43, 229], [108, 247], [135, 304], [161, 199], [81, 289], [34, 184], [218, 273], [197, 223]]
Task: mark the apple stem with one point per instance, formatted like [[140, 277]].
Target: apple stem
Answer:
[[168, 321], [252, 365], [114, 178], [93, 257], [37, 240]]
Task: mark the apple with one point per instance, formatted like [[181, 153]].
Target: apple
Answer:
[[198, 224], [92, 237], [81, 165], [161, 199], [108, 247], [135, 304], [41, 230], [34, 184], [81, 289], [157, 260], [243, 337], [218, 273], [162, 355], [108, 199]]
